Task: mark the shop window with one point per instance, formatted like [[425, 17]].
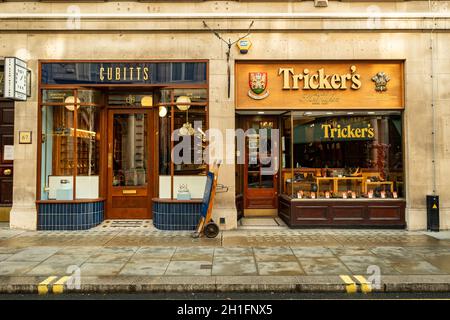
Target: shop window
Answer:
[[346, 155], [70, 145], [286, 155], [184, 120]]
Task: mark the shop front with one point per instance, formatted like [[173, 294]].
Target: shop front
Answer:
[[107, 131], [339, 143]]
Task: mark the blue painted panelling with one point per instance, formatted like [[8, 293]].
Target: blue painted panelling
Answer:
[[70, 216], [176, 216]]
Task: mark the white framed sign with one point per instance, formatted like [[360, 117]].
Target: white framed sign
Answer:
[[8, 152], [15, 79]]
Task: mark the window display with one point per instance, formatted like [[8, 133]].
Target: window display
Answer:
[[346, 155], [183, 118], [70, 144]]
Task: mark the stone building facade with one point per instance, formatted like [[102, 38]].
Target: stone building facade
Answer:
[[417, 32]]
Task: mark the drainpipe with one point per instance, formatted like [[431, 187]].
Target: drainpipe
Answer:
[[433, 107]]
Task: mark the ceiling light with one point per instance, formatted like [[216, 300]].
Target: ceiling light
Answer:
[[162, 112], [71, 99], [183, 103], [260, 112]]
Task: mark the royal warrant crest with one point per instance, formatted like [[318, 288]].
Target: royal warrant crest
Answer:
[[381, 79], [258, 85]]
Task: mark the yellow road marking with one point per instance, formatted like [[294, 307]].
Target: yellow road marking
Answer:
[[350, 285], [58, 286], [43, 286], [366, 286]]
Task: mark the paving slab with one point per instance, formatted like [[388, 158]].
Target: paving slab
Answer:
[[394, 253], [145, 268], [274, 254], [233, 251], [279, 269], [33, 254], [312, 252], [16, 268], [187, 268], [4, 256], [157, 252], [100, 269], [234, 266], [442, 262], [350, 251], [192, 253], [323, 266], [110, 257], [415, 267], [361, 264]]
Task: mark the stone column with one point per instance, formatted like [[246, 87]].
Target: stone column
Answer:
[[24, 213]]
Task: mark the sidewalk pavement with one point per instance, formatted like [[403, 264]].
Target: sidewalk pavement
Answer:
[[240, 260]]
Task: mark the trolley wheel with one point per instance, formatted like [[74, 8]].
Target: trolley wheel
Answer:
[[211, 230]]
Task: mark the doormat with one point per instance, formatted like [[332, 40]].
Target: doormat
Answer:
[[261, 223], [126, 224]]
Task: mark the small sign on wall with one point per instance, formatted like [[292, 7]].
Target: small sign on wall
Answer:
[[16, 79], [8, 153], [25, 137]]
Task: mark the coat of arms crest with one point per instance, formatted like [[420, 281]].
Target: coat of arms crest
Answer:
[[381, 79], [258, 85]]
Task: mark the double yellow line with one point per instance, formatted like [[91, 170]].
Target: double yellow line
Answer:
[[56, 287], [351, 286]]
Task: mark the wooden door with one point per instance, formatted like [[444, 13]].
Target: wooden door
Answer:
[[260, 183], [130, 165], [6, 139]]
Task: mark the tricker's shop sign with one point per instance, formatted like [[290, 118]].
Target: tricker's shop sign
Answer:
[[319, 85], [347, 132]]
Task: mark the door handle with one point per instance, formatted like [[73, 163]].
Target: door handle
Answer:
[[7, 172], [110, 160]]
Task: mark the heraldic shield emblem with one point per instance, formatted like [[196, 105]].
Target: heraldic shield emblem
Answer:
[[258, 85]]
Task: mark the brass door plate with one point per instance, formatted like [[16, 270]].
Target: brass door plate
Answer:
[[129, 191]]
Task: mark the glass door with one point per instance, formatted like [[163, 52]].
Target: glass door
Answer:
[[260, 177], [129, 165]]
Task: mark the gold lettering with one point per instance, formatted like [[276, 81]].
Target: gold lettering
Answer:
[[138, 69], [326, 127], [124, 73], [335, 81], [356, 82], [131, 73], [358, 132], [295, 79], [370, 132], [117, 73], [323, 80], [102, 76], [345, 132], [363, 134], [286, 75], [306, 81], [109, 74], [145, 73], [312, 84], [339, 131]]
